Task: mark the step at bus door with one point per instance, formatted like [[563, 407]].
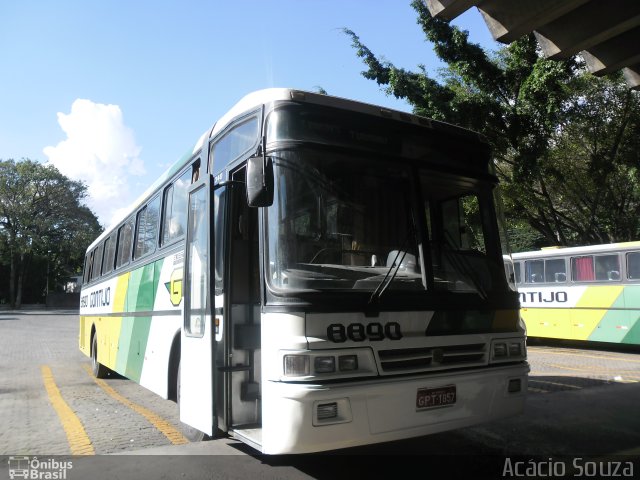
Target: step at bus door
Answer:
[[197, 399]]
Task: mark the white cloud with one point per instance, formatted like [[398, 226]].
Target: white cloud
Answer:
[[101, 151]]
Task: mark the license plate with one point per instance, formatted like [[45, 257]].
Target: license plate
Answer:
[[435, 397]]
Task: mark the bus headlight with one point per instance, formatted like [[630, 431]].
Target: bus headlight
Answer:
[[499, 350], [508, 350], [296, 365], [348, 363], [328, 364], [515, 349], [324, 364]]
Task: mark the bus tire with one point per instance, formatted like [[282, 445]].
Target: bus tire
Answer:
[[99, 370], [190, 433]]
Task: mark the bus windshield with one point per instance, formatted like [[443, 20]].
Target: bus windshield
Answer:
[[346, 221]]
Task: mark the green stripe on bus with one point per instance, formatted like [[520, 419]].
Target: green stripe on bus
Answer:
[[612, 326], [137, 347], [147, 282], [632, 296], [156, 277], [124, 343], [134, 334], [141, 291], [634, 330]]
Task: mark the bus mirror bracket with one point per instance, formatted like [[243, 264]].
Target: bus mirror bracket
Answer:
[[259, 181]]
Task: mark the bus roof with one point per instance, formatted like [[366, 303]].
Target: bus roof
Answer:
[[257, 98], [589, 249]]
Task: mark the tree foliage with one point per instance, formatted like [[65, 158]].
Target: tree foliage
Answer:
[[564, 142], [41, 217]]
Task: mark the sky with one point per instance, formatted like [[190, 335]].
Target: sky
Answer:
[[113, 92]]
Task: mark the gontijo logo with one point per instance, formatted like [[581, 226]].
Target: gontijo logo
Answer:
[[99, 298]]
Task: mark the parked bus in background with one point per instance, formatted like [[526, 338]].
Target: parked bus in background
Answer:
[[581, 293], [315, 274]]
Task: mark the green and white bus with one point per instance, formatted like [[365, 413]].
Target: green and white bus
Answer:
[[316, 273], [588, 293]]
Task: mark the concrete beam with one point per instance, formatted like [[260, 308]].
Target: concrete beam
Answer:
[[586, 26], [509, 20], [449, 9], [614, 54], [632, 76]]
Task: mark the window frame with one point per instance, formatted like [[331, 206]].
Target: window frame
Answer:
[[627, 267], [594, 268], [129, 222], [193, 171], [142, 220]]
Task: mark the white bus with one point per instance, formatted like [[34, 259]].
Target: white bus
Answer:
[[315, 274]]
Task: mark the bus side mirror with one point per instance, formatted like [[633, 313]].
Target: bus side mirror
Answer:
[[259, 181]]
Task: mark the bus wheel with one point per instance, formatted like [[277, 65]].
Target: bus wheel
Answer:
[[99, 370], [190, 433]]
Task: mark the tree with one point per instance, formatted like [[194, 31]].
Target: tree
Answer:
[[528, 108], [592, 168], [41, 216]]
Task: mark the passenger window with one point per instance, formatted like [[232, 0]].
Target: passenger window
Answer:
[[234, 143], [97, 261], [125, 241], [602, 268], [607, 268], [147, 229], [87, 267], [633, 266], [175, 208], [534, 271], [516, 268], [582, 269], [555, 271], [109, 255]]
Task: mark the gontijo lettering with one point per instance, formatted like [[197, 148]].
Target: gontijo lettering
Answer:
[[99, 298]]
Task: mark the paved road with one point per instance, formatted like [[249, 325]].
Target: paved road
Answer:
[[582, 402], [41, 369]]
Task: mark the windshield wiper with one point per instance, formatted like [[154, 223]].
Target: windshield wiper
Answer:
[[386, 281]]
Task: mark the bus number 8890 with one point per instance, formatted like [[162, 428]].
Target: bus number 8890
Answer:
[[357, 332]]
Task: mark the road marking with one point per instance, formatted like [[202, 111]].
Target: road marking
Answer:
[[157, 421], [79, 441], [593, 370], [537, 390], [555, 383], [534, 350]]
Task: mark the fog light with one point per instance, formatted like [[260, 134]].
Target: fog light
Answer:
[[499, 350], [324, 364], [515, 385], [327, 411], [347, 363], [515, 349], [296, 365]]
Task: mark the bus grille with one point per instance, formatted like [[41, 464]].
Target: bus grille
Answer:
[[432, 358]]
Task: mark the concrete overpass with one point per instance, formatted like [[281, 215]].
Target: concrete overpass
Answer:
[[605, 33]]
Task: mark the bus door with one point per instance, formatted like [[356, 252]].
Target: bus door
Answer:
[[196, 385], [242, 365]]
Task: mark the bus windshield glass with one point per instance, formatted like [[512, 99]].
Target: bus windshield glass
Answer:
[[346, 221], [339, 223]]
